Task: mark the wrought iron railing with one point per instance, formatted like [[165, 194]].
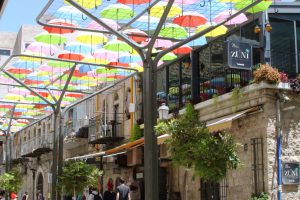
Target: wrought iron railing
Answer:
[[44, 141]]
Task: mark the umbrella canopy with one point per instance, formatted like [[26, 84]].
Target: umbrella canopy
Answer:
[[198, 42], [117, 12], [89, 4], [226, 14], [146, 23], [77, 47], [72, 94], [106, 54], [161, 43], [221, 30], [158, 9], [91, 38], [19, 71], [60, 22], [173, 31], [185, 2], [168, 57], [136, 2], [60, 64], [70, 56], [129, 58], [40, 47], [26, 64], [70, 13], [184, 49], [260, 7], [50, 38], [136, 35], [118, 46], [190, 19], [14, 97], [19, 91], [111, 23]]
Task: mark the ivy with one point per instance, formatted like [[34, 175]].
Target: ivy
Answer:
[[11, 181], [193, 146], [76, 176], [261, 196], [136, 133]]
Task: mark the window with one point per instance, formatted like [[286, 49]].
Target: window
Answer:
[[257, 165], [173, 86], [213, 190], [4, 52], [161, 95]]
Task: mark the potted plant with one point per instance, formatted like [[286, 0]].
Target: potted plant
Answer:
[[267, 74]]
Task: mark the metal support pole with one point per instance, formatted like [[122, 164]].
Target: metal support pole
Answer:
[[9, 137], [33, 184], [279, 134], [296, 48], [150, 152], [54, 154]]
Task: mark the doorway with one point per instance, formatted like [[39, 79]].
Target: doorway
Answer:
[[40, 185]]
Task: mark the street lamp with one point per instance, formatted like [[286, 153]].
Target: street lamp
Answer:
[[163, 112]]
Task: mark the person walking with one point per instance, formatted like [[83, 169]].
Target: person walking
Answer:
[[109, 193], [2, 195], [25, 196], [123, 191], [95, 195]]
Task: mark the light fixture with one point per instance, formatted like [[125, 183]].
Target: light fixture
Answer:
[[163, 112], [268, 27], [257, 29]]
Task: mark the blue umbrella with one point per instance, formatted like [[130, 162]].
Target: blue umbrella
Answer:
[[77, 47], [128, 58], [20, 64], [142, 23], [86, 68], [198, 42], [70, 13]]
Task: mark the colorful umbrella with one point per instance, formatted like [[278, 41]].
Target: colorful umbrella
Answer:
[[118, 46], [190, 19], [23, 121], [135, 2], [198, 42], [50, 38], [184, 49], [39, 47], [70, 56], [34, 99], [260, 7], [14, 97], [26, 65], [77, 47], [70, 13], [106, 54], [221, 30], [226, 14], [60, 22], [129, 58], [30, 53], [53, 70], [185, 2], [158, 9], [136, 35], [18, 71], [60, 64], [89, 4], [173, 31], [19, 91], [91, 38], [72, 94], [146, 23], [117, 12], [168, 57], [111, 23], [161, 43]]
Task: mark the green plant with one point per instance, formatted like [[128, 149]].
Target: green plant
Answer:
[[161, 128], [215, 99], [193, 146], [11, 181], [76, 176], [266, 73], [136, 133], [235, 96], [261, 196]]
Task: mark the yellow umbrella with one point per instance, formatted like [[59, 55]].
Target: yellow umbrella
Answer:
[[137, 67], [230, 1], [159, 8], [88, 3], [93, 60], [92, 38], [32, 54], [14, 97], [221, 30]]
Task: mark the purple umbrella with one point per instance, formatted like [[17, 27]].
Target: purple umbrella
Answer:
[[39, 47], [226, 14]]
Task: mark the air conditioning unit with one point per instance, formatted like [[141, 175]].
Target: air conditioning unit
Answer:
[[134, 157], [164, 151]]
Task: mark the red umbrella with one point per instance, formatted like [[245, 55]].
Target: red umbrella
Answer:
[[118, 64], [75, 95], [190, 19], [133, 1], [70, 56], [136, 35], [115, 76], [184, 49], [33, 82], [60, 22], [42, 93], [19, 71], [38, 106], [77, 73], [5, 106]]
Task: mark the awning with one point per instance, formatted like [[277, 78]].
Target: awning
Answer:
[[226, 121]]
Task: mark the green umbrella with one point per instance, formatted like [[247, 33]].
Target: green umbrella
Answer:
[[117, 12], [69, 99], [168, 57], [260, 7], [19, 124], [173, 31], [50, 38], [106, 71], [118, 46], [62, 64], [33, 98]]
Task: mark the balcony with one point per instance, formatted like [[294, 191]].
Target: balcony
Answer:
[[77, 138], [106, 128], [37, 146]]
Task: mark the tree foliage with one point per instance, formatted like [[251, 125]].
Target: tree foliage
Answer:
[[11, 181], [193, 146], [78, 175], [136, 133]]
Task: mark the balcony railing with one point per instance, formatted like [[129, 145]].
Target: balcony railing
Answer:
[[106, 128], [37, 146]]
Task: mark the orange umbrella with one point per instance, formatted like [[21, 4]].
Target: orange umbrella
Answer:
[[60, 22]]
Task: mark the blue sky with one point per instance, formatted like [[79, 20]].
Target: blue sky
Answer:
[[18, 12]]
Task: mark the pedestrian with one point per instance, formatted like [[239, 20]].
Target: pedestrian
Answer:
[[109, 194], [13, 196], [95, 195], [123, 191], [40, 196], [25, 196], [2, 195]]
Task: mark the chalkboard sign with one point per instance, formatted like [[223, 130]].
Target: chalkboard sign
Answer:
[[239, 55], [290, 173]]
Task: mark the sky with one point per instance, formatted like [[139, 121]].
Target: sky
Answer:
[[18, 12]]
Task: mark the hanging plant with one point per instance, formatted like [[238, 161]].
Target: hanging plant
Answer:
[[76, 176], [11, 181], [193, 146], [136, 133], [266, 73]]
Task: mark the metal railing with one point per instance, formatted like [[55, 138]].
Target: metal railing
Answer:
[[44, 141], [106, 125]]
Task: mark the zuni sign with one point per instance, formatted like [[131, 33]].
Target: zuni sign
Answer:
[[290, 173], [239, 55]]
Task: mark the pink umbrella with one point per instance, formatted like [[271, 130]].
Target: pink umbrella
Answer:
[[106, 54], [111, 23], [38, 47], [53, 70], [190, 19], [185, 2], [226, 14], [160, 43], [20, 91], [6, 80]]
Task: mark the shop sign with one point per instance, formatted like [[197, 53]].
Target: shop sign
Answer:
[[140, 175], [239, 55], [290, 173]]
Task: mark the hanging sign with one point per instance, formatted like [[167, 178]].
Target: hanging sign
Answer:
[[239, 55], [290, 173]]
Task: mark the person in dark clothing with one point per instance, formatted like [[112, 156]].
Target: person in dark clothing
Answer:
[[109, 194], [123, 191]]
